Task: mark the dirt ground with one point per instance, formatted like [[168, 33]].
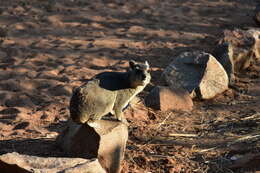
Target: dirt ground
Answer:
[[47, 47]]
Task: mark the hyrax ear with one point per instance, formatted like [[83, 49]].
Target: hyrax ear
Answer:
[[132, 64], [147, 65]]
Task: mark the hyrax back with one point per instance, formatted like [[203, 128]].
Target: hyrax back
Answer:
[[108, 92]]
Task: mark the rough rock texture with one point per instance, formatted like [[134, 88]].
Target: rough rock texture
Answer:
[[244, 44], [165, 98], [214, 81], [224, 54], [257, 14], [18, 163], [197, 72], [105, 140], [136, 111]]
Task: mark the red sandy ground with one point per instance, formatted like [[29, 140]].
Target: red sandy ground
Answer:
[[47, 47]]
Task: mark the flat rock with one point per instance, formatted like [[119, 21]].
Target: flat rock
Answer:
[[104, 139], [166, 98], [18, 163], [197, 72]]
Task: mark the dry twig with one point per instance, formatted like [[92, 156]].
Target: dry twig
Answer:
[[183, 135], [246, 138]]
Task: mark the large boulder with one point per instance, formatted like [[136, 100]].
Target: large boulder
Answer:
[[245, 47], [104, 139], [166, 98], [197, 72], [18, 163]]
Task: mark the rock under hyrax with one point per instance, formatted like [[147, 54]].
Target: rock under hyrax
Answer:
[[108, 92]]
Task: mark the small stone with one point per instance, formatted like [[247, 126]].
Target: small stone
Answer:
[[55, 20], [165, 98]]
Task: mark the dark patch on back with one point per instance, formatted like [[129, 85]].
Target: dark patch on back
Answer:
[[113, 80]]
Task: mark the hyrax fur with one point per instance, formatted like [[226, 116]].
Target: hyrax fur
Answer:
[[108, 92]]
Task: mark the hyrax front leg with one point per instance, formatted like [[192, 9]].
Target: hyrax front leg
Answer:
[[120, 115]]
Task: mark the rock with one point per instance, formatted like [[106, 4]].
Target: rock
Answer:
[[243, 44], [165, 98], [106, 140], [224, 54], [257, 14], [88, 167], [55, 20], [136, 29], [18, 163], [6, 168], [197, 72], [136, 111]]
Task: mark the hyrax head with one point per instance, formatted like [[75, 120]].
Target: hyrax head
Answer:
[[139, 74]]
